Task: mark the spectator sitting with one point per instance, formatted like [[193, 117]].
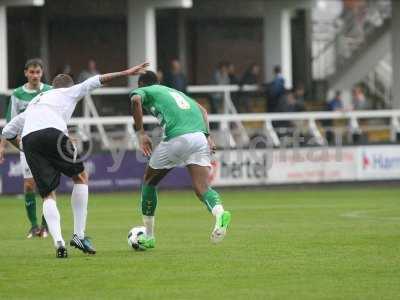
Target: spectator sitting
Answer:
[[89, 72], [175, 78], [299, 95], [289, 103], [336, 103]]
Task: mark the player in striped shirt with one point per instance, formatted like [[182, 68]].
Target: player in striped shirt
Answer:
[[19, 100]]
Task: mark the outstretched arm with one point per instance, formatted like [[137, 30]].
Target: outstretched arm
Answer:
[[80, 90], [136, 70], [137, 113]]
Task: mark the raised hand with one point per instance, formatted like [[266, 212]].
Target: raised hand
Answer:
[[137, 70]]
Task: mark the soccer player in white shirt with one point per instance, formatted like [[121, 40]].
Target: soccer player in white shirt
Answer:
[[49, 151]]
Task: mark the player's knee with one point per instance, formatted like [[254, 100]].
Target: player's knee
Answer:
[[81, 178], [150, 179], [29, 185], [51, 195], [200, 189]]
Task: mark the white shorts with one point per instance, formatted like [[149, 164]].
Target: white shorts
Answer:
[[26, 172], [187, 149]]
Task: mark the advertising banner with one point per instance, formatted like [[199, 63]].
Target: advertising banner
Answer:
[[234, 168], [379, 162], [127, 176], [282, 166]]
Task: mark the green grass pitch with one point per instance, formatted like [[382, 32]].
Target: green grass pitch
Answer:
[[330, 243]]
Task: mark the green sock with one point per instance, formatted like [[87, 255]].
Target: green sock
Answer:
[[30, 205], [211, 198], [149, 199]]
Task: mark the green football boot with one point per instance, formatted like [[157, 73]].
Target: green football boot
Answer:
[[221, 225], [146, 243]]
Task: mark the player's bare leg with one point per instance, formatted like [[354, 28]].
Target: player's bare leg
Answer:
[[149, 203], [52, 215], [79, 203], [211, 199]]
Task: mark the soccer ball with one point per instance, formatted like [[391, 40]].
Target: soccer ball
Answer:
[[133, 236]]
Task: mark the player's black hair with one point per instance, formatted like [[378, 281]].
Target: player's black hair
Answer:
[[62, 81], [148, 78], [33, 62]]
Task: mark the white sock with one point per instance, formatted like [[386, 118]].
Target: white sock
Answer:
[[52, 217], [79, 203], [217, 210], [148, 222]]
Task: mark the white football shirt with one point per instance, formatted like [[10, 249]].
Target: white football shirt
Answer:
[[50, 109]]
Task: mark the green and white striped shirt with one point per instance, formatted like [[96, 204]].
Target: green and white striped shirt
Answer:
[[21, 97]]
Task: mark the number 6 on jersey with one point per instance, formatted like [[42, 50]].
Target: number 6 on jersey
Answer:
[[180, 101]]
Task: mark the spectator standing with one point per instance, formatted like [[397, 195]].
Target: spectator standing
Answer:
[[221, 74], [233, 80], [89, 72], [221, 77], [252, 75], [160, 76], [275, 90], [66, 69], [175, 78], [359, 101], [232, 74]]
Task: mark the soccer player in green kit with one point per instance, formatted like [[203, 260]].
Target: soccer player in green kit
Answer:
[[20, 99], [186, 143]]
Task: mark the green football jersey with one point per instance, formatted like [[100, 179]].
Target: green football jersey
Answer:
[[21, 97], [177, 113]]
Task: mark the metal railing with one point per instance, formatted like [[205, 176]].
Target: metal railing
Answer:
[[379, 82], [352, 31], [310, 118], [230, 116], [91, 112]]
